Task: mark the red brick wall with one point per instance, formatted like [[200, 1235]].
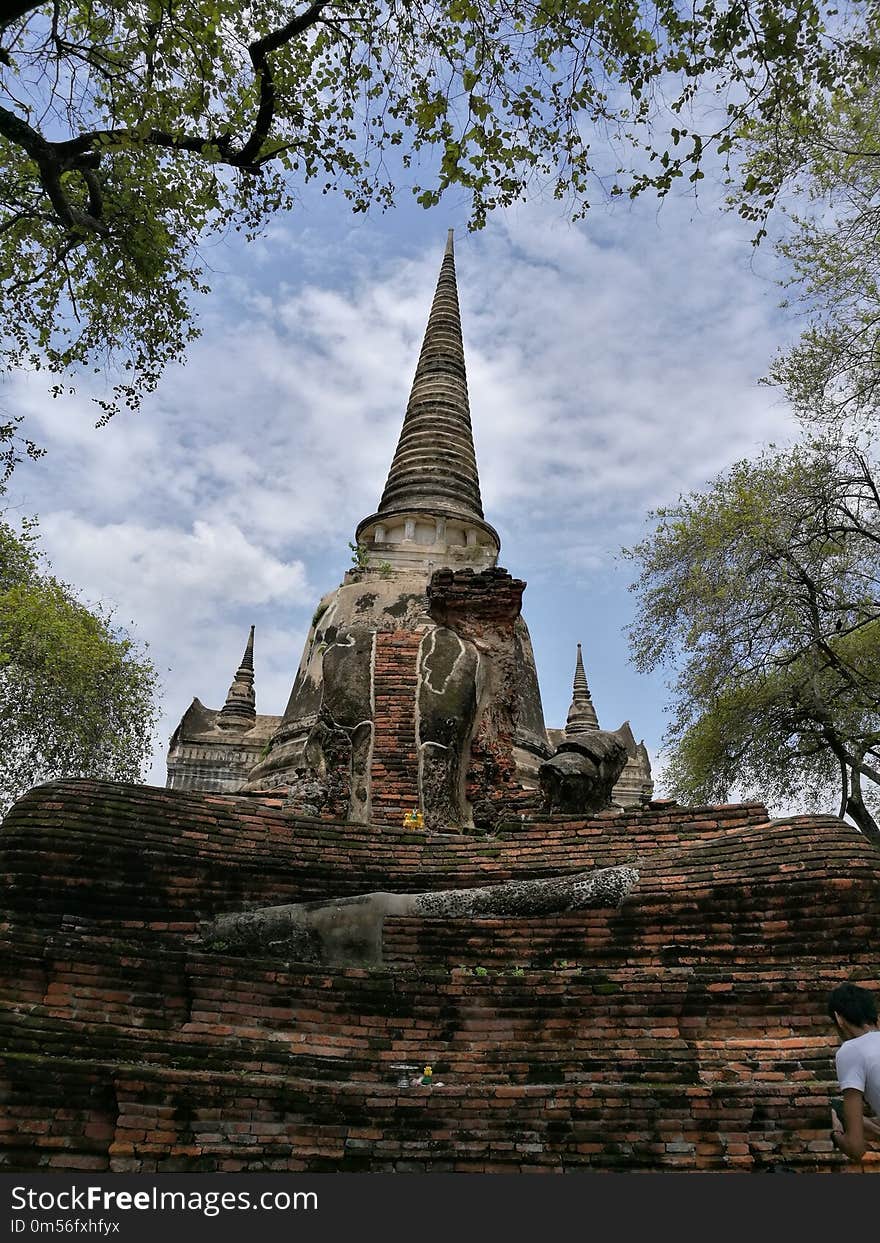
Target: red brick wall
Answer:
[[135, 854], [685, 1030], [394, 771]]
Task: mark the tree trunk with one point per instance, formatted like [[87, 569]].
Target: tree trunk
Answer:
[[858, 811]]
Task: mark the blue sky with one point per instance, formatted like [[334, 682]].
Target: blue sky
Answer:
[[612, 364]]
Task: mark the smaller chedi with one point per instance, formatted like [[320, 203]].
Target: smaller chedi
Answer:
[[214, 750], [591, 767], [417, 690]]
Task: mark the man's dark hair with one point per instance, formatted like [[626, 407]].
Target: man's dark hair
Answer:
[[854, 1004]]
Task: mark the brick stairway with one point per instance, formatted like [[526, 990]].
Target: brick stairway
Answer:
[[683, 1031], [394, 768]]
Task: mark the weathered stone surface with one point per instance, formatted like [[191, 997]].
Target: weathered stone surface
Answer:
[[347, 685], [508, 739], [213, 750], [527, 899], [446, 709], [308, 793], [349, 930], [530, 742], [203, 755], [581, 776], [413, 694], [636, 784], [332, 776], [264, 932], [342, 627]]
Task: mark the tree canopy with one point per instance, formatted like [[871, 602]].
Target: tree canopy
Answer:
[[827, 162], [762, 595], [77, 696], [130, 131]]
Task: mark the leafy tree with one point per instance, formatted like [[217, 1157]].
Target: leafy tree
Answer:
[[12, 446], [762, 593], [827, 162], [76, 695], [129, 131]]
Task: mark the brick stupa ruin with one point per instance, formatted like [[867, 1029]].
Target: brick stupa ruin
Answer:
[[249, 969], [417, 688]]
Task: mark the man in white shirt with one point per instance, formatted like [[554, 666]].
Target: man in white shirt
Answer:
[[853, 1011]]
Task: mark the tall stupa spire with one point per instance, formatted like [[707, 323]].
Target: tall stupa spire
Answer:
[[435, 465], [582, 716], [240, 709], [432, 494]]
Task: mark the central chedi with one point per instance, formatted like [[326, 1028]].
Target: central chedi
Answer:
[[417, 688]]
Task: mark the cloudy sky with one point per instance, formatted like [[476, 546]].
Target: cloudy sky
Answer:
[[612, 365]]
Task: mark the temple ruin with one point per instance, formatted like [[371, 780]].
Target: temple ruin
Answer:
[[248, 970], [417, 688]]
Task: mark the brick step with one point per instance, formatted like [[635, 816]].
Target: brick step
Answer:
[[413, 1020], [721, 923], [203, 854], [394, 762], [542, 1049], [168, 1120], [590, 1065], [157, 958], [113, 971]]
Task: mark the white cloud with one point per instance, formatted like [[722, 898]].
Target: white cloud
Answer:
[[166, 573]]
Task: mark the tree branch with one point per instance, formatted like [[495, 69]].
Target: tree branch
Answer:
[[53, 158], [259, 53], [11, 12], [51, 166]]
